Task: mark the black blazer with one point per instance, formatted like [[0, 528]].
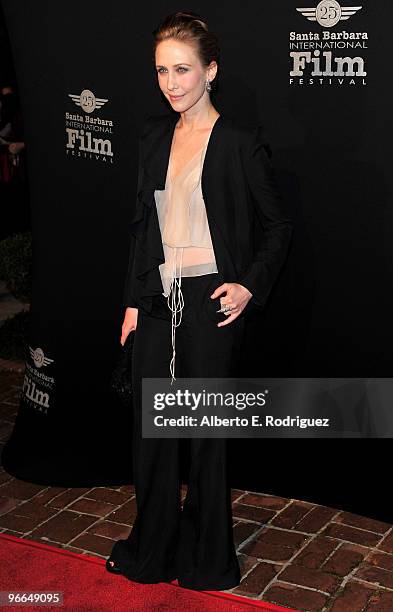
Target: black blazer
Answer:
[[237, 184]]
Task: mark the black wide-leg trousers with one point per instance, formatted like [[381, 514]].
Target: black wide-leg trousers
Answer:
[[194, 544]]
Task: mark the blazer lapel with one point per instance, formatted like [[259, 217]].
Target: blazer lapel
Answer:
[[157, 149]]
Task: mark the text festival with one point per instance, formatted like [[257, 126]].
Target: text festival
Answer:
[[308, 56]]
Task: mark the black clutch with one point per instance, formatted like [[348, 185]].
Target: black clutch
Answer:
[[121, 381]]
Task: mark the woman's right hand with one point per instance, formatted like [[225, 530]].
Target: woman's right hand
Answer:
[[129, 323]]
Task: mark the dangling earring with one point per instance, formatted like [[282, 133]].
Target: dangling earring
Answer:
[[208, 86]]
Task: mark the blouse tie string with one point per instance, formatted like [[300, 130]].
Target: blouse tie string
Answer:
[[176, 306]]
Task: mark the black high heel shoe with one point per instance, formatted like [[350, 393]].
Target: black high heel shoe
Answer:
[[112, 568]]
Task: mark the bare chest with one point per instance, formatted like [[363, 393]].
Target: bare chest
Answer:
[[185, 148]]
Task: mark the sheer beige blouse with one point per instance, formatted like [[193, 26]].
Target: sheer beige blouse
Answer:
[[185, 233]]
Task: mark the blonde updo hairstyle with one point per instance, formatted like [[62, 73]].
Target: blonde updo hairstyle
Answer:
[[192, 29]]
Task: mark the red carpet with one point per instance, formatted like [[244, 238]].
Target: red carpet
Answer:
[[26, 566]]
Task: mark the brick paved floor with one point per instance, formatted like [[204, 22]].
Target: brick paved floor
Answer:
[[291, 552]]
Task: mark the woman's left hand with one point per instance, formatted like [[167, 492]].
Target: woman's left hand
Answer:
[[237, 297]]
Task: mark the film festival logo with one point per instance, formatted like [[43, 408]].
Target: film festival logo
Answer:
[[87, 133], [328, 56], [38, 388]]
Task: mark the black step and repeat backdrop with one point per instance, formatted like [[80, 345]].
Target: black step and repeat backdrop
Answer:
[[318, 77]]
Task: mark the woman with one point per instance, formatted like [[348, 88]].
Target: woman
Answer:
[[193, 274]]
